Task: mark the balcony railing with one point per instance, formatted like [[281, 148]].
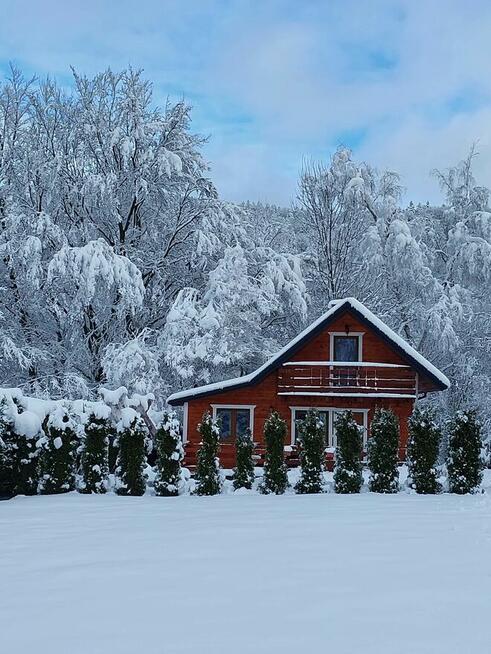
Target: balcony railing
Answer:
[[342, 378]]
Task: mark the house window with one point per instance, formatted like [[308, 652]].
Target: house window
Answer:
[[233, 420], [346, 348], [328, 417]]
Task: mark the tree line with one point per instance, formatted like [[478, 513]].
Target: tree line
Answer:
[[120, 264]]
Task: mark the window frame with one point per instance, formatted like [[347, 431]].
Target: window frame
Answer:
[[358, 335], [234, 407]]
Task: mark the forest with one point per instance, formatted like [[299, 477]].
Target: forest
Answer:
[[121, 265]]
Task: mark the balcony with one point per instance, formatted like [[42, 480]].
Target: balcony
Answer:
[[345, 379]]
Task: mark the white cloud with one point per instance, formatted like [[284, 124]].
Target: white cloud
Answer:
[[412, 74]]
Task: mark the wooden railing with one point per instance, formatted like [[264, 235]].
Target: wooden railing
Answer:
[[363, 378]]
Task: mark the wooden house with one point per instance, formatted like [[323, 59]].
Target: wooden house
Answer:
[[347, 359]]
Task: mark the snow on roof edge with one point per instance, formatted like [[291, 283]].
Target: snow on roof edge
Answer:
[[218, 386], [334, 305], [398, 340]]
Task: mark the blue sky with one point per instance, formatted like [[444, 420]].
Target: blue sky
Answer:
[[406, 84]]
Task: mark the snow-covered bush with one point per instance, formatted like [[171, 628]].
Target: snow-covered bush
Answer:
[[58, 453], [170, 454], [27, 480], [311, 454], [422, 451], [347, 471], [275, 478], [244, 470], [383, 446], [131, 478], [208, 481], [95, 455], [8, 452], [464, 463]]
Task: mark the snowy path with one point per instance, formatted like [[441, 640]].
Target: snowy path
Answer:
[[245, 574]]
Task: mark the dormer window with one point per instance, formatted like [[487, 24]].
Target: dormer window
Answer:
[[346, 347]]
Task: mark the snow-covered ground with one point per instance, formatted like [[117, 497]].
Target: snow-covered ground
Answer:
[[246, 574]]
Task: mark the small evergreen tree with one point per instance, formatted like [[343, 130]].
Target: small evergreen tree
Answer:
[[347, 472], [8, 452], [422, 452], [58, 453], [207, 476], [383, 447], [170, 454], [464, 462], [27, 466], [244, 471], [132, 456], [311, 454], [113, 451], [275, 479], [94, 462]]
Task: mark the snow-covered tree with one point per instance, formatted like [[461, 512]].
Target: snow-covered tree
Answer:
[[207, 476], [423, 450], [19, 452], [347, 471], [58, 453], [244, 469], [95, 454], [131, 478], [225, 326], [464, 463], [103, 198], [27, 466], [311, 454], [8, 452], [170, 454], [335, 213], [383, 449], [275, 477]]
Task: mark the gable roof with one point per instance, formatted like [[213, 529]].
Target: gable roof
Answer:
[[336, 309]]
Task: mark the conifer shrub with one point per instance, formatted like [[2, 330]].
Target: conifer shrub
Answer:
[[383, 448], [422, 452], [275, 477], [311, 454], [244, 470], [131, 478], [8, 452], [58, 453], [113, 450], [208, 480], [464, 463], [94, 463], [27, 468], [347, 471], [170, 454]]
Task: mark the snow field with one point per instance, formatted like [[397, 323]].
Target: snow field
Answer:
[[246, 573]]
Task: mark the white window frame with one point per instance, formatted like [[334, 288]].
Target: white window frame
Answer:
[[251, 408], [185, 415], [360, 344], [330, 410]]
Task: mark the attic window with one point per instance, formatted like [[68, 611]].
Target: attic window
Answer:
[[346, 347]]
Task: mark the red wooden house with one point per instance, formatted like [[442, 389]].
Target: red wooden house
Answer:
[[347, 359]]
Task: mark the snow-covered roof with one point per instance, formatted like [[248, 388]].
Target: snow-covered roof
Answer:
[[336, 307]]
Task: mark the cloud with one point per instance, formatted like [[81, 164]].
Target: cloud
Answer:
[[406, 83]]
